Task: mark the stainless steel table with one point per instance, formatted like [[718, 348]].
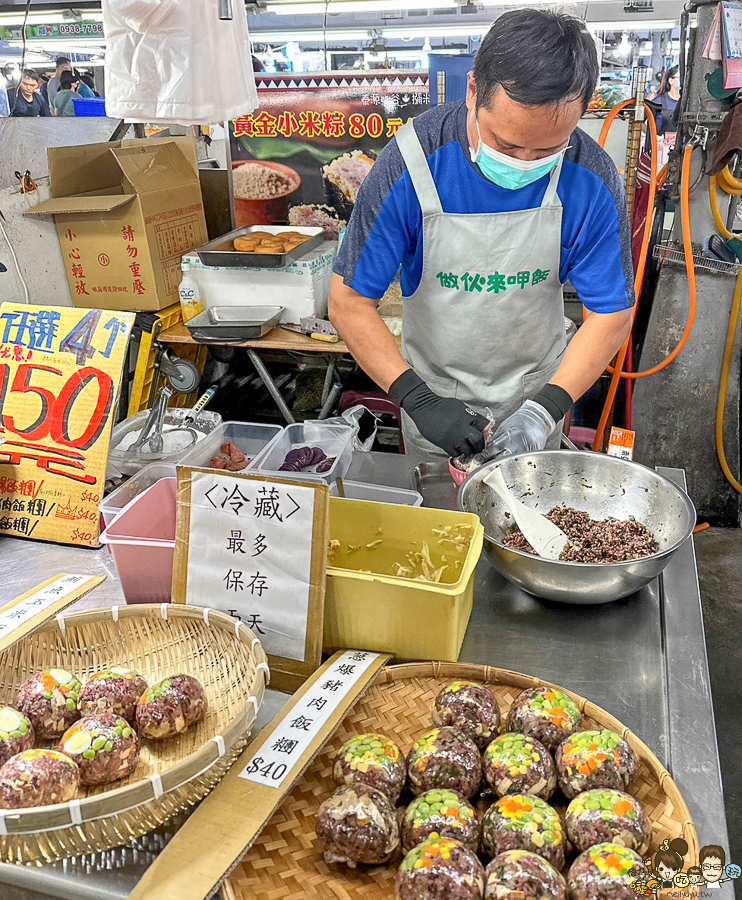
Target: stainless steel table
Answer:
[[643, 659]]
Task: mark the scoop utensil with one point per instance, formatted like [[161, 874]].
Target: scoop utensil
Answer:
[[546, 538]]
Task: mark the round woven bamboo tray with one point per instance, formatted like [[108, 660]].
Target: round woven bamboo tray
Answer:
[[285, 863], [155, 640]]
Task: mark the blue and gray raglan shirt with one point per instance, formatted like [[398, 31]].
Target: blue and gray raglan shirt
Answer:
[[385, 230]]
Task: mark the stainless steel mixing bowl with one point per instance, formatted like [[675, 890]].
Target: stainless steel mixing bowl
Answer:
[[602, 486]]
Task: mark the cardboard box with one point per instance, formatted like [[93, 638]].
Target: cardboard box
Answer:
[[301, 288], [126, 212]]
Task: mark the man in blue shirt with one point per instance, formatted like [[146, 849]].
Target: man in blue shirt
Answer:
[[489, 206]]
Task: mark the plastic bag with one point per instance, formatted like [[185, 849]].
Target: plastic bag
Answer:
[[470, 463], [364, 424]]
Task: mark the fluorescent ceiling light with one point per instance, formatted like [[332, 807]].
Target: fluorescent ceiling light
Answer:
[[634, 25], [31, 59], [354, 6], [73, 48], [303, 37], [36, 17], [404, 34], [444, 31], [406, 54], [85, 45]]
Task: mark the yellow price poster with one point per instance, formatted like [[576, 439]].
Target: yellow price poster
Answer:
[[60, 376]]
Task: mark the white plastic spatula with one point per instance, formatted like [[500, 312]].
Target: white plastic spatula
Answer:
[[546, 538]]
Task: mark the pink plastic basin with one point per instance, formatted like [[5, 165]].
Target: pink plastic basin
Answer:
[[141, 539]]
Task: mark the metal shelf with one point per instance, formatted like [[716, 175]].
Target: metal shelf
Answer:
[[669, 252]]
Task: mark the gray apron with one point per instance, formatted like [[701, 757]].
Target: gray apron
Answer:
[[486, 323]]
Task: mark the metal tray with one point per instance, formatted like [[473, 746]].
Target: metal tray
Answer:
[[221, 252], [433, 480], [233, 324]]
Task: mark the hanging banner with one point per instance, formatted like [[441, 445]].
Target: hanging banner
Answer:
[[55, 31], [60, 376], [312, 141]]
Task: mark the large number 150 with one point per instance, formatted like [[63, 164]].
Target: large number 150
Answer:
[[56, 406]]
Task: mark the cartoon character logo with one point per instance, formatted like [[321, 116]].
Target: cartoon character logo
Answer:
[[711, 860], [668, 861], [695, 877], [665, 870]]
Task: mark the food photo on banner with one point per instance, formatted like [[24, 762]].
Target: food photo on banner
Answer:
[[301, 157]]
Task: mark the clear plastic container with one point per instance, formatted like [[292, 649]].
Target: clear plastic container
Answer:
[[128, 462], [142, 542], [251, 438], [111, 505], [379, 493], [334, 438]]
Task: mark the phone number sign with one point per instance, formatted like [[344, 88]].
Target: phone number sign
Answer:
[[60, 375]]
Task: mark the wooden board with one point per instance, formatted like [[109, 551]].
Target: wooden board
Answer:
[[227, 822], [277, 339]]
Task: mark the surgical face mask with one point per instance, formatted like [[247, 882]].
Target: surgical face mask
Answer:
[[507, 171]]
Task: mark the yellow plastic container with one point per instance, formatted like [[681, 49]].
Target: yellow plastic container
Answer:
[[374, 610]]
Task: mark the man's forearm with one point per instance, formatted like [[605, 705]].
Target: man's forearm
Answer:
[[591, 350], [369, 340]]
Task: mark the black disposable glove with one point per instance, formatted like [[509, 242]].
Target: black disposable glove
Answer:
[[446, 422]]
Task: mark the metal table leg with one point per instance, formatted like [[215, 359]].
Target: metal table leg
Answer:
[[270, 385], [329, 378]]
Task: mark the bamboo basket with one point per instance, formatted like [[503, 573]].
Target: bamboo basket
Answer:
[[155, 640], [285, 863]]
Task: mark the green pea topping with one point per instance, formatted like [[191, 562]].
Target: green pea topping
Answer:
[[70, 704], [126, 732], [89, 753], [47, 695], [99, 743], [108, 746]]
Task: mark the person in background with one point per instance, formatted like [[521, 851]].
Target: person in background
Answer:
[[655, 85], [83, 88], [55, 82], [44, 89], [25, 99], [63, 105], [88, 81], [667, 99]]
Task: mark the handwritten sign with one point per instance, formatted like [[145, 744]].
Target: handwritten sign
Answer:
[[256, 549], [60, 374], [277, 758], [23, 614]]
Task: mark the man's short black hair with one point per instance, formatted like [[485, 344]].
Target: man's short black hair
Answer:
[[62, 61], [538, 57], [66, 80], [29, 73]]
